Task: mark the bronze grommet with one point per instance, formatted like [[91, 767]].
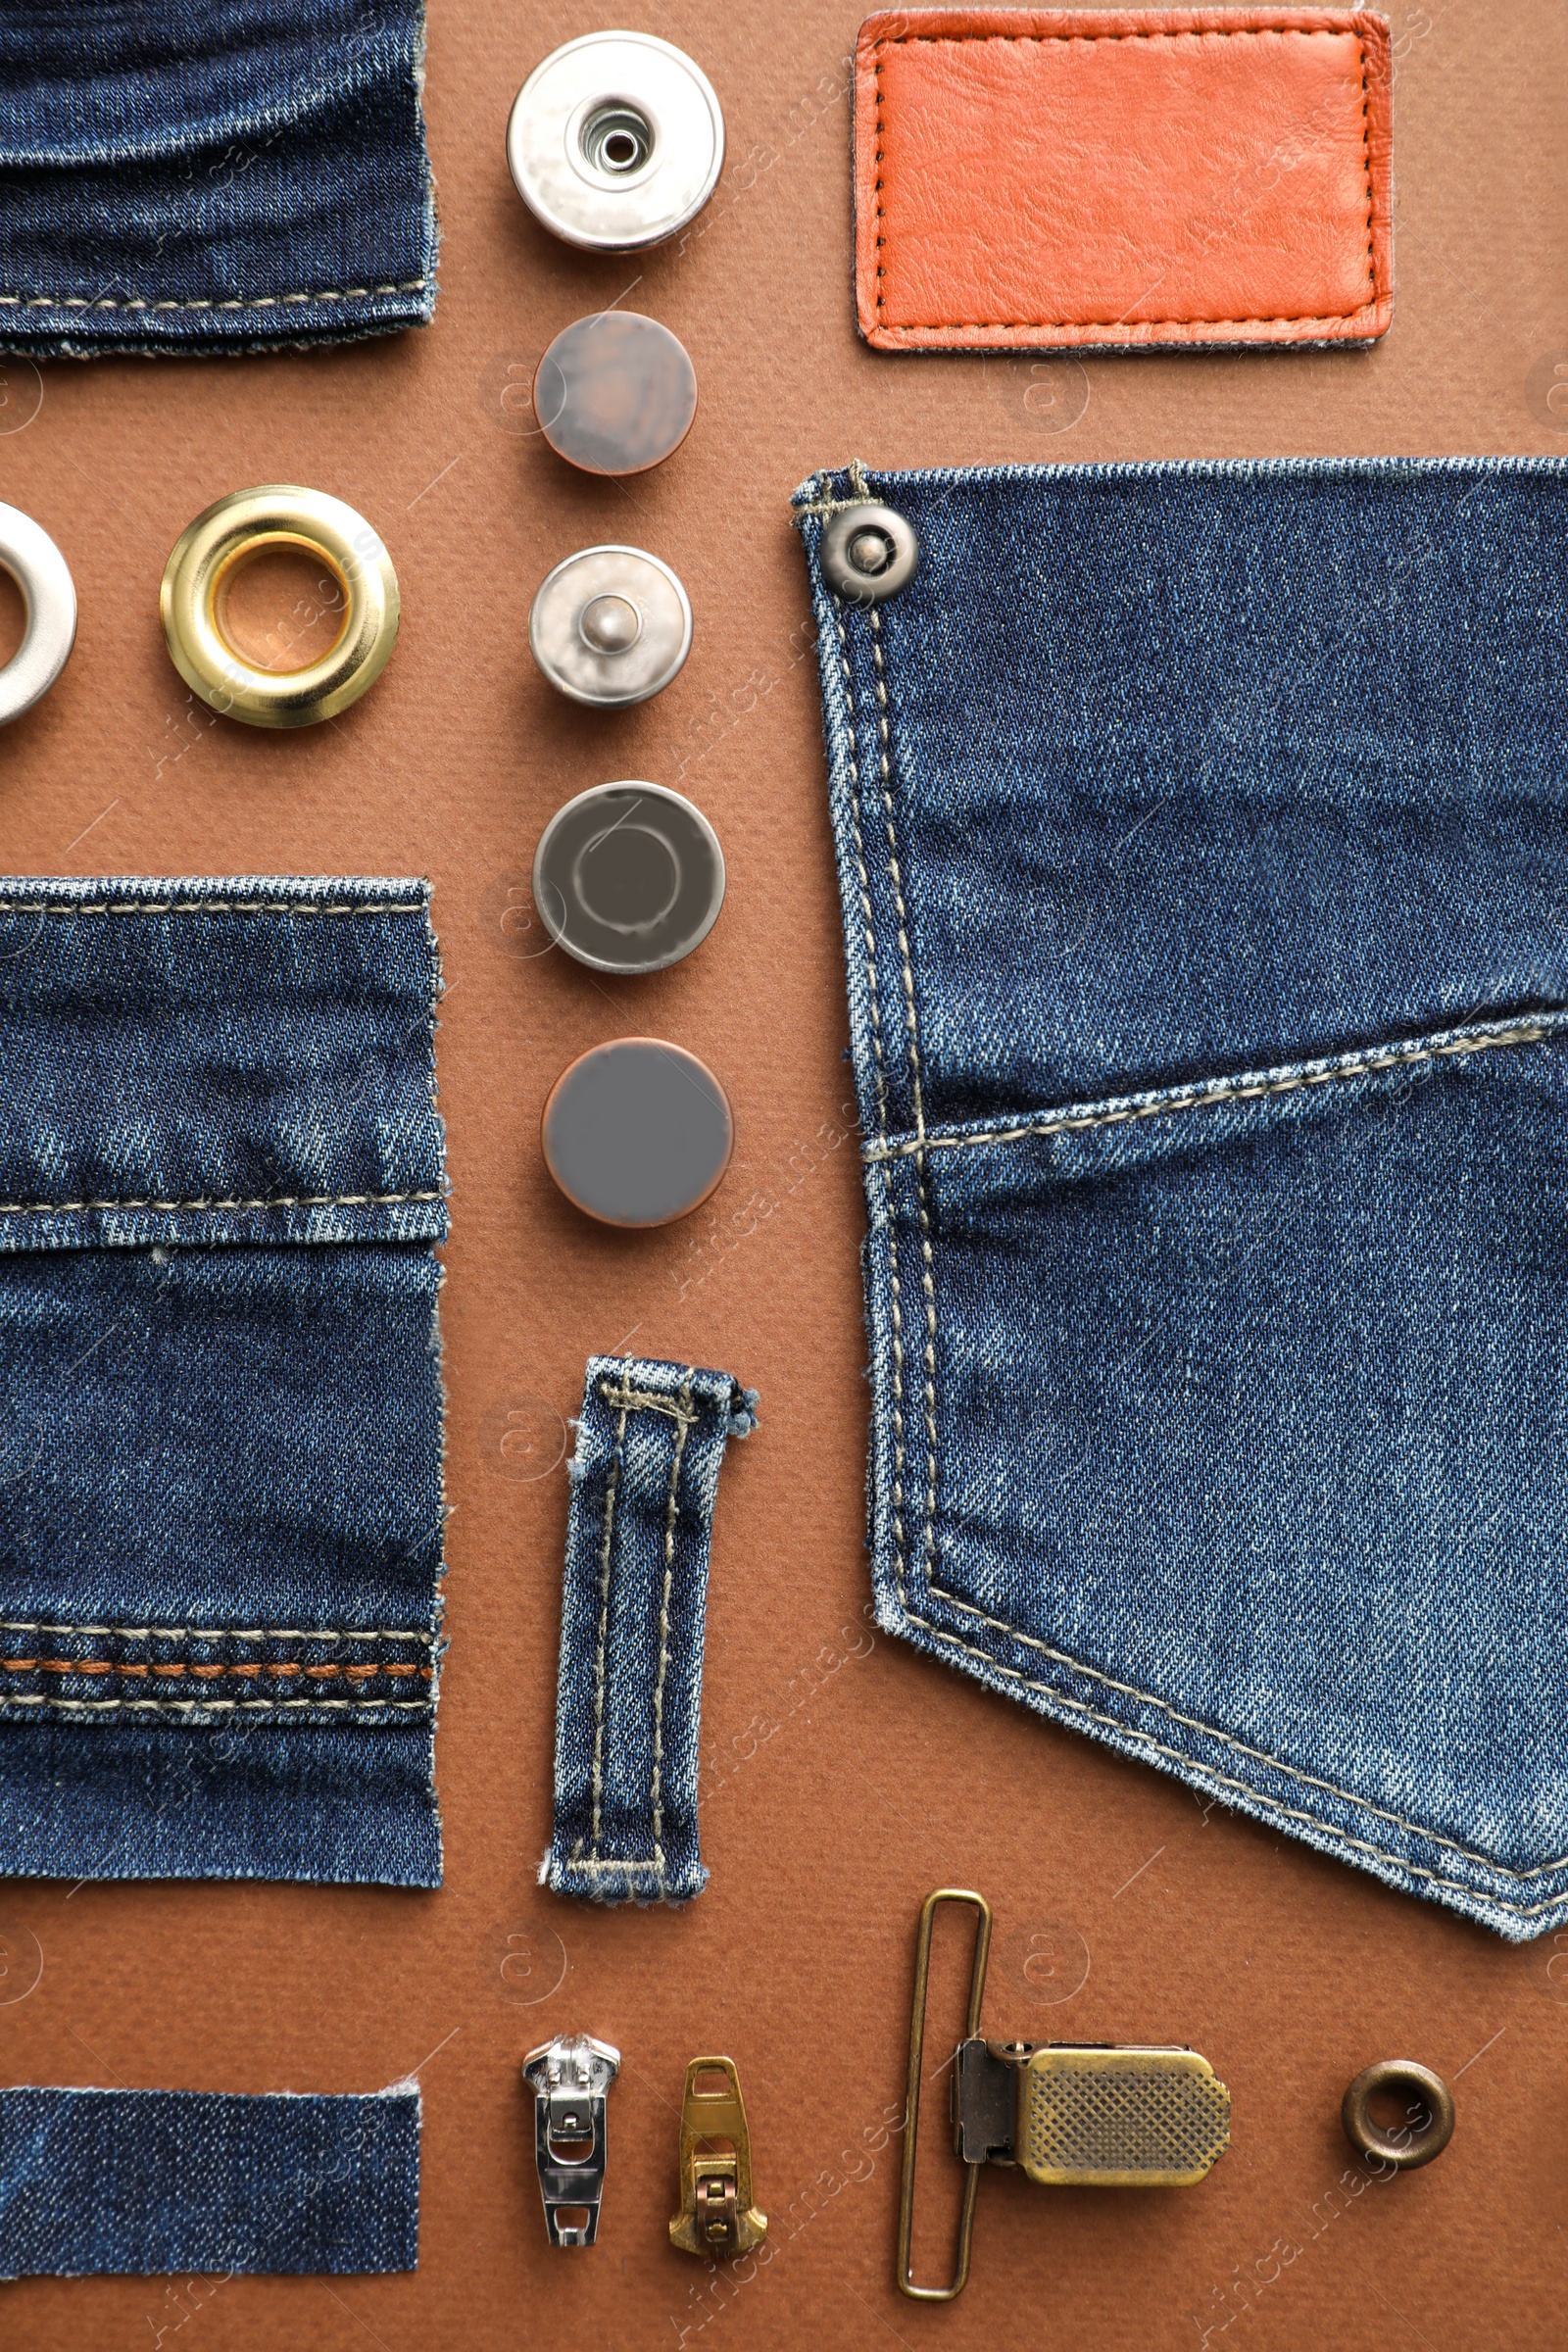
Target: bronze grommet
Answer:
[[1411, 2144]]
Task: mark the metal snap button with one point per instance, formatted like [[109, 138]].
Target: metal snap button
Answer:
[[616, 142], [610, 626], [615, 392], [41, 573], [637, 1132], [1415, 2143], [204, 560], [869, 553], [628, 877]]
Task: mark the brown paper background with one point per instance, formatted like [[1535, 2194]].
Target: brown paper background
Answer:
[[839, 1793]]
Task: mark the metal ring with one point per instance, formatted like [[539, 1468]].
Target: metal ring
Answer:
[[616, 142], [1406, 2148], [869, 553], [278, 514], [49, 594]]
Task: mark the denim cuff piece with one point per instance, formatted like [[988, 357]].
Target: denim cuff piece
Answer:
[[222, 1174], [157, 2182], [232, 176], [643, 1480], [1203, 842]]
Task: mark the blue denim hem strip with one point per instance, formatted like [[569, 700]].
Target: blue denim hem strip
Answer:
[[1216, 1389], [645, 1476], [220, 1452], [148, 2182], [228, 177]]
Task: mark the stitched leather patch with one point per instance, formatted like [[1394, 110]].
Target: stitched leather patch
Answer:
[[1028, 178]]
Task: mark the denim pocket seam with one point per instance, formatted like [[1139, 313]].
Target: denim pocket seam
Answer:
[[243, 302], [1313, 1821], [214, 1706], [225, 1633], [917, 1153], [72, 907], [1248, 1087], [29, 1209], [1209, 1731]]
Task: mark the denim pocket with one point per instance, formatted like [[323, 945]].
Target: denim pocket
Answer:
[[1208, 1000], [221, 1176]]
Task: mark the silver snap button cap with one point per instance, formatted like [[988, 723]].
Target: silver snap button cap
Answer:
[[615, 392], [616, 142], [869, 553], [41, 573], [628, 877], [610, 626]]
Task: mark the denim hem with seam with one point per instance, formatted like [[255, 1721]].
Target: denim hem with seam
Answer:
[[222, 1174], [643, 1480], [180, 180], [1203, 846]]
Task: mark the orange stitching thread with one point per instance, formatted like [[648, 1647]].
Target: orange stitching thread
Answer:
[[1245, 33], [281, 1668]]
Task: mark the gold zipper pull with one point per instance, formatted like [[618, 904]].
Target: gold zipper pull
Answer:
[[717, 2220]]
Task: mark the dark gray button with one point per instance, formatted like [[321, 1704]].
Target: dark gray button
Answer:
[[869, 553], [615, 392], [637, 1132], [628, 877]]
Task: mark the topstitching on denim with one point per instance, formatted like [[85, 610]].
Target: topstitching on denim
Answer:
[[887, 1150]]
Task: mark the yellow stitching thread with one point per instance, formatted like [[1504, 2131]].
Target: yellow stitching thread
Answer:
[[1312, 1820], [1262, 1755], [1221, 1091], [649, 1401], [604, 1621], [216, 1706], [205, 907], [684, 1421], [29, 1209], [217, 1633], [246, 301]]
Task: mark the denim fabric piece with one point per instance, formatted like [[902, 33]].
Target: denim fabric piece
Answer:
[[228, 176], [151, 2181], [1200, 836], [221, 1505], [644, 1479]]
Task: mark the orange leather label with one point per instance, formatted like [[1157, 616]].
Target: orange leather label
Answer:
[[1031, 177]]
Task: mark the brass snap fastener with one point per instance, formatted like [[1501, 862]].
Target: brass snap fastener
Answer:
[[628, 877], [637, 1132], [869, 553], [49, 595], [1430, 2105], [616, 142], [615, 392], [611, 627], [206, 559]]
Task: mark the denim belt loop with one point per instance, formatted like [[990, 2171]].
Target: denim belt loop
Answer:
[[643, 1480]]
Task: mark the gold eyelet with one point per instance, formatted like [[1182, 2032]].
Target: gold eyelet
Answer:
[[279, 513]]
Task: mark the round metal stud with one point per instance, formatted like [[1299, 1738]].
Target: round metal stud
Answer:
[[615, 392], [869, 553], [628, 877], [204, 560], [611, 627], [616, 142], [49, 594], [1411, 2145], [637, 1132]]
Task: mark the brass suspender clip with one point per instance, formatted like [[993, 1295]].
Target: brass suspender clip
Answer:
[[1086, 2115], [716, 2217]]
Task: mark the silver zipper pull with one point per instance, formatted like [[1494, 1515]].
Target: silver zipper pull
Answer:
[[570, 2077]]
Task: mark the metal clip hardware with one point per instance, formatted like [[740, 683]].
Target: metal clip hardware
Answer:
[[1087, 2115], [570, 2078], [717, 2220]]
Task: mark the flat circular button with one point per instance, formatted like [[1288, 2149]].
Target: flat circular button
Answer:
[[616, 142], [637, 1132], [43, 577], [610, 626], [869, 553], [628, 877], [615, 392]]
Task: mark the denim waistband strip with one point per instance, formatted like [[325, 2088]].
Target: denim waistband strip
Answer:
[[231, 176], [643, 1480], [222, 1173], [155, 2182], [1203, 842]]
